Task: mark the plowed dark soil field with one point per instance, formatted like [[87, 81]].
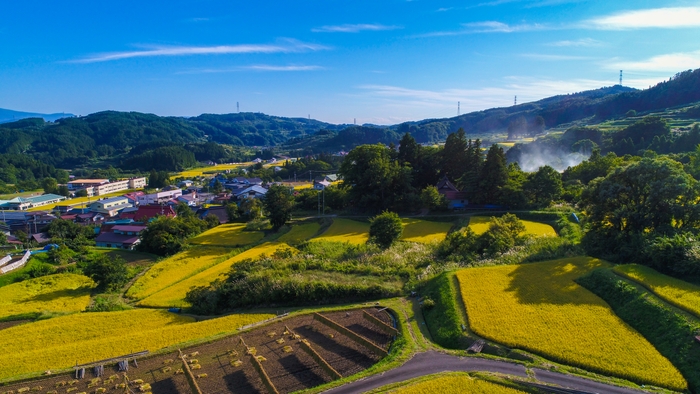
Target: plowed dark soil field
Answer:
[[224, 366]]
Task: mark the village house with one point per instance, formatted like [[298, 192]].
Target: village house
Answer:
[[456, 199]]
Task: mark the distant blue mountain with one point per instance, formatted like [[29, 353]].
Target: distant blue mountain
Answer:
[[7, 115]]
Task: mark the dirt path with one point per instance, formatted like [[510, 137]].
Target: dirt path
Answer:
[[433, 362]]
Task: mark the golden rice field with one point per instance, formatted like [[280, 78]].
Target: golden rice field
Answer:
[[174, 296], [454, 384], [480, 225], [300, 233], [52, 293], [346, 230], [61, 342], [195, 172], [539, 307], [175, 269], [230, 235], [424, 231], [674, 291]]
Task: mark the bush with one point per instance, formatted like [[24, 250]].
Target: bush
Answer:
[[109, 274], [385, 229]]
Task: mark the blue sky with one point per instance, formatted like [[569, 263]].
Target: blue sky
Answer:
[[380, 61]]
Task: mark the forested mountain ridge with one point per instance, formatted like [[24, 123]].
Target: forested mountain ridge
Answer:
[[7, 115], [119, 136]]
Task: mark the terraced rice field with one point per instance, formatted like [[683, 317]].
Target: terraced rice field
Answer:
[[174, 295], [453, 384], [61, 342], [300, 233], [539, 307], [346, 230], [674, 291], [228, 235], [52, 293], [177, 268], [424, 231], [480, 225]]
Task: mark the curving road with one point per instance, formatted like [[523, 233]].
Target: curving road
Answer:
[[434, 362]]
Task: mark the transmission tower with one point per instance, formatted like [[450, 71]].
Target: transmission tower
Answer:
[[515, 101], [620, 77], [458, 109]]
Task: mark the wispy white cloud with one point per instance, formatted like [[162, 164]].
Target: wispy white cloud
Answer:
[[547, 57], [288, 47], [668, 18], [267, 67], [672, 62], [354, 28], [500, 27], [256, 67], [583, 42], [487, 27]]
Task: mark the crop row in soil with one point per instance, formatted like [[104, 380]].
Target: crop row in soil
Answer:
[[225, 367]]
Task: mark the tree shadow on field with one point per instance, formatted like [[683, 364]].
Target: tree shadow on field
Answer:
[[552, 282], [237, 382], [165, 386], [303, 374], [64, 293]]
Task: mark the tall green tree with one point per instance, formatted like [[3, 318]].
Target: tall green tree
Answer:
[[471, 176], [493, 176], [544, 186], [110, 274], [454, 155], [637, 205], [278, 204], [49, 185]]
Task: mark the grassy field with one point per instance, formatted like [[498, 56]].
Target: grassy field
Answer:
[[61, 342], [300, 233], [480, 224], [30, 193], [175, 269], [230, 235], [424, 231], [539, 307], [53, 293], [674, 291], [174, 296], [346, 230], [457, 383]]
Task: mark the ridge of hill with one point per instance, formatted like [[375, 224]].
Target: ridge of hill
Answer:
[[112, 134], [8, 115]]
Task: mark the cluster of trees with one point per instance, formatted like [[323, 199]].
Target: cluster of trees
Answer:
[[379, 178], [158, 179], [166, 236]]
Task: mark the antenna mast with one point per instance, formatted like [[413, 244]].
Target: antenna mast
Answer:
[[238, 107], [620, 77], [458, 109], [515, 101]]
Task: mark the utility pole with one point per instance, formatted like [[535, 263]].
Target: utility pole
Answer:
[[318, 199]]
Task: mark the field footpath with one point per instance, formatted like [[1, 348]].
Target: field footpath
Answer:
[[432, 362]]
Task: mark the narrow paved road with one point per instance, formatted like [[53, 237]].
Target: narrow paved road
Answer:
[[433, 362]]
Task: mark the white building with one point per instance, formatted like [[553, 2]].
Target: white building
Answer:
[[160, 197]]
